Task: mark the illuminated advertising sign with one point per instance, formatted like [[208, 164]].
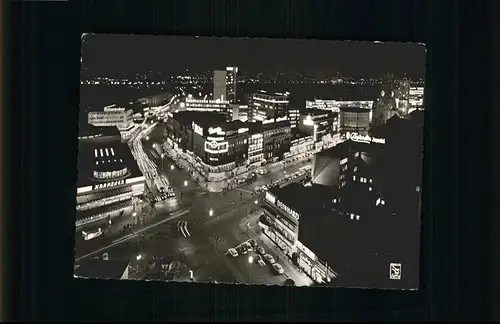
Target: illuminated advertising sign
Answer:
[[364, 139], [197, 129], [108, 184], [216, 130], [287, 209], [270, 198], [216, 147]]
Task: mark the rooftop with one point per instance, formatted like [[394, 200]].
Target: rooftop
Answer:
[[350, 247], [201, 118], [87, 130], [354, 109], [92, 151], [343, 149], [102, 269]]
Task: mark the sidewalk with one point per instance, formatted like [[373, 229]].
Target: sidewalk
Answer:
[[254, 231]]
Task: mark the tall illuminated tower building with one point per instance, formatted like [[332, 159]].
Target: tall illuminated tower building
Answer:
[[225, 84], [231, 78]]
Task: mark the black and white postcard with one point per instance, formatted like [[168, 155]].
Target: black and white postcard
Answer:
[[250, 161]]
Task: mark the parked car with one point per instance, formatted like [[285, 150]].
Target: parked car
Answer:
[[262, 171], [248, 246], [242, 249], [259, 260], [278, 268], [252, 243], [261, 250], [232, 252], [269, 258]]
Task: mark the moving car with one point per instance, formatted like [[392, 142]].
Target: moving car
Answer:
[[278, 268], [262, 171], [261, 250], [259, 260], [269, 258], [232, 252]]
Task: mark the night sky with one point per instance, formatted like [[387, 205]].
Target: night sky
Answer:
[[110, 54]]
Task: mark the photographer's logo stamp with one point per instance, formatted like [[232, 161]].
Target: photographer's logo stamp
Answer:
[[395, 271]]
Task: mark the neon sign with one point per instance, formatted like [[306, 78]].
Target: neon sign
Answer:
[[109, 184]]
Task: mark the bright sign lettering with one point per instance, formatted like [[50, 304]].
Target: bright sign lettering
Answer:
[[364, 139], [197, 129], [287, 209], [109, 184], [216, 130]]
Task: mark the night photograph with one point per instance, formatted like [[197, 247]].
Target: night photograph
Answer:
[[250, 161]]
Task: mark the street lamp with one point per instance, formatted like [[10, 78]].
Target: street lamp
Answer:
[[172, 167], [162, 156], [138, 257], [185, 183], [250, 259], [256, 201], [109, 222], [134, 214], [211, 212], [147, 138]]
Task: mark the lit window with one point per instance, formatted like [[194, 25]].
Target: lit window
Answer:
[[371, 180], [355, 169], [357, 217], [353, 178], [370, 188], [352, 216]]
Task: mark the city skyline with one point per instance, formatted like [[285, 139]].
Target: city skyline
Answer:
[[222, 179], [125, 54]]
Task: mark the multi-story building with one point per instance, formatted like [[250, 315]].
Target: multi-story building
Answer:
[[416, 98], [112, 116], [210, 137], [318, 123], [354, 119], [218, 142], [298, 227], [108, 178], [231, 83], [265, 106], [293, 115], [225, 84], [384, 108], [276, 137], [220, 92], [239, 112], [335, 105], [204, 105]]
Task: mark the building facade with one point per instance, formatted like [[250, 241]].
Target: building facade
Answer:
[[318, 123], [108, 180], [112, 116], [219, 92], [231, 83], [276, 138], [206, 105], [354, 119], [415, 98], [264, 106], [335, 105]]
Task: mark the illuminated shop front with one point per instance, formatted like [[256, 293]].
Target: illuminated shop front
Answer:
[[283, 223], [108, 181]]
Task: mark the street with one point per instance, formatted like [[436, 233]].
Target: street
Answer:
[[196, 227]]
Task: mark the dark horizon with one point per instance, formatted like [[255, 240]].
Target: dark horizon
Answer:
[[130, 54]]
